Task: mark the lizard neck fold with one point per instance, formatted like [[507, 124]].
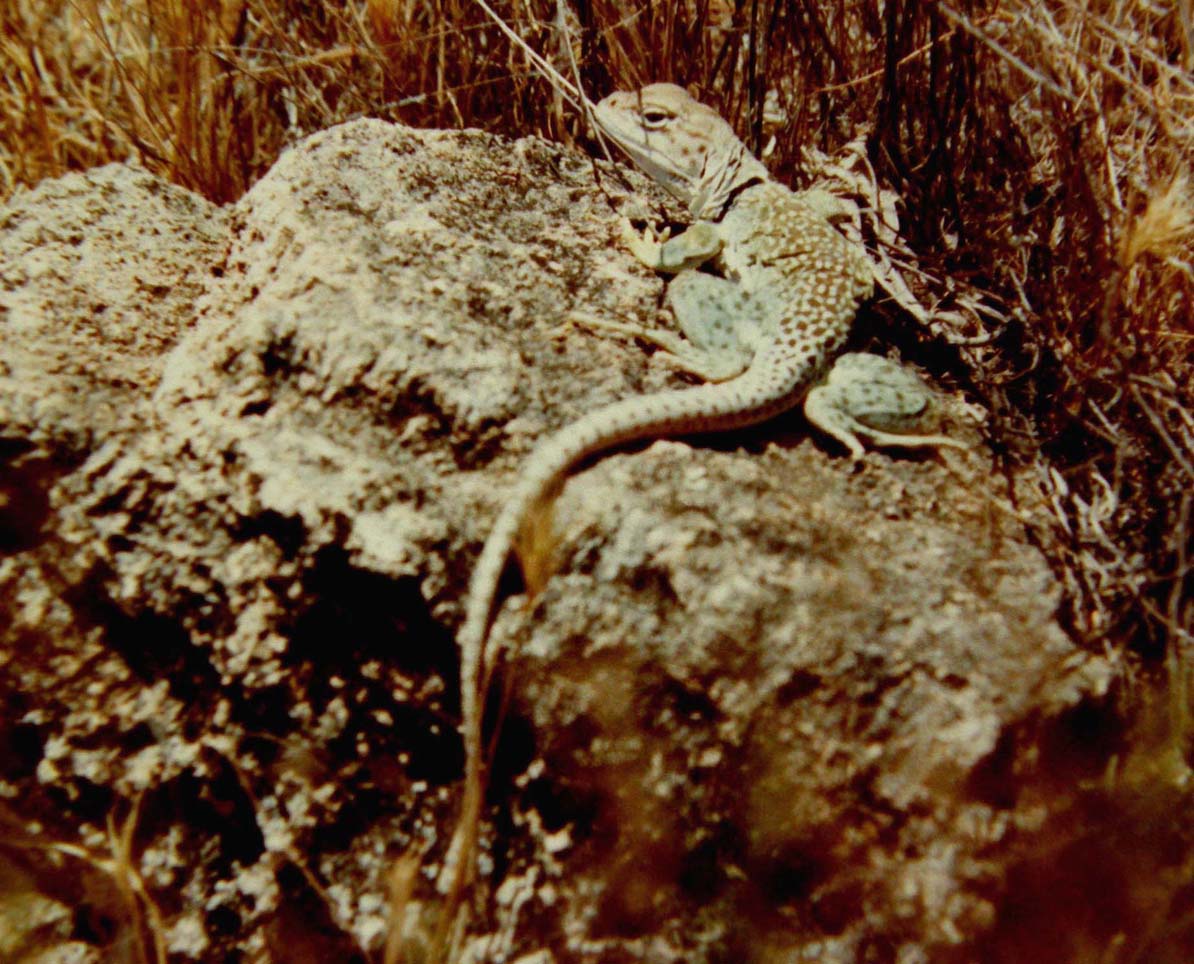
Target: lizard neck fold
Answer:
[[725, 176], [733, 196]]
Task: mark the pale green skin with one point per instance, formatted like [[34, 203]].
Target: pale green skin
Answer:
[[873, 397]]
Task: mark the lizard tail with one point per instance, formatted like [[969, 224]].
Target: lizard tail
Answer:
[[755, 396]]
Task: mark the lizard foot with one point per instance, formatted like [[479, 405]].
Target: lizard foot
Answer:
[[668, 341], [646, 246]]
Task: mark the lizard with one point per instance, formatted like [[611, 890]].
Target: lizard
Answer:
[[760, 332]]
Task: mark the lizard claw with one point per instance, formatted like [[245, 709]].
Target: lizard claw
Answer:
[[645, 246]]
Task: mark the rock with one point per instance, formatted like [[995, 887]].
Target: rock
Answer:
[[99, 274], [772, 698], [763, 703]]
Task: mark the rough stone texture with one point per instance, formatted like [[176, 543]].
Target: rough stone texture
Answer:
[[766, 706], [99, 274], [777, 692]]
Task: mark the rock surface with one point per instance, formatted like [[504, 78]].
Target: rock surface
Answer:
[[763, 707]]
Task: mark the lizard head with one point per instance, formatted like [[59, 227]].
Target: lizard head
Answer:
[[682, 144]]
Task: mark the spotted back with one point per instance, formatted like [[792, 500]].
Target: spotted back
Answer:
[[804, 277]]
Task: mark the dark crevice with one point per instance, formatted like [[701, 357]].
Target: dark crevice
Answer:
[[303, 931], [358, 617], [285, 531], [25, 486], [214, 807], [799, 685], [789, 876], [153, 646], [993, 779], [702, 876]]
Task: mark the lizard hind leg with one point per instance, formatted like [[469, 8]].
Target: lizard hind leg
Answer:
[[720, 322], [876, 398], [824, 414]]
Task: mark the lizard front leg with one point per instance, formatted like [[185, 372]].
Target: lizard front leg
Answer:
[[715, 314], [691, 248]]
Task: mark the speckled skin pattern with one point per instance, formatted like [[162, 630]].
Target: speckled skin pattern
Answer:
[[762, 328], [874, 397]]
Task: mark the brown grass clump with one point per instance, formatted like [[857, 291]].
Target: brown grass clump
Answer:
[[1041, 151], [108, 885], [208, 94]]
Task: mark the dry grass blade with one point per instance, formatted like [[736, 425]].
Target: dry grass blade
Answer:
[[131, 887], [404, 876], [142, 932], [1165, 225]]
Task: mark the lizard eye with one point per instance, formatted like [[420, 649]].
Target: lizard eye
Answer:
[[654, 117]]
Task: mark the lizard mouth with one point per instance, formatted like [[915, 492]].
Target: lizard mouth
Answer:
[[637, 142]]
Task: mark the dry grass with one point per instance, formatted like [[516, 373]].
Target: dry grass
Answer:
[[1041, 149], [110, 885], [208, 94]]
